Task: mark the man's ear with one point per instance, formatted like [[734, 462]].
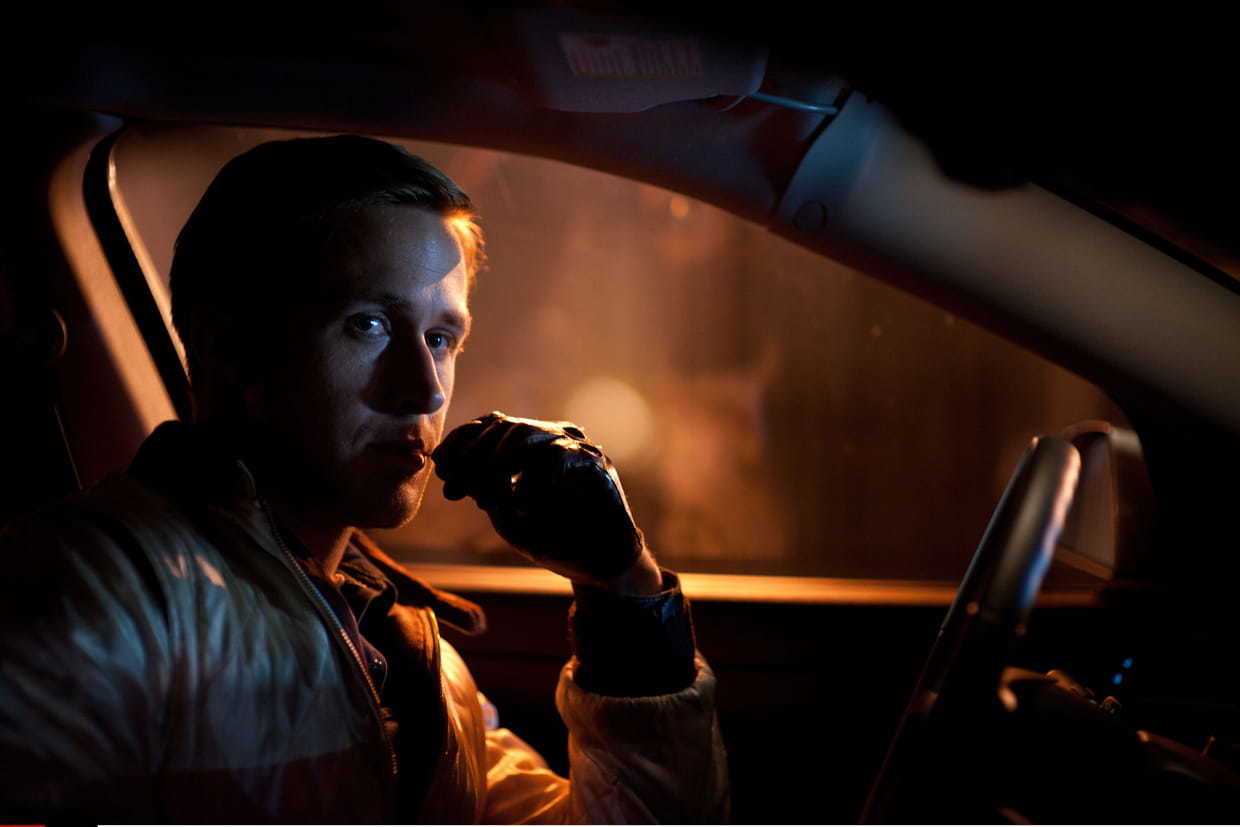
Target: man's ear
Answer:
[[226, 397], [253, 401], [226, 381]]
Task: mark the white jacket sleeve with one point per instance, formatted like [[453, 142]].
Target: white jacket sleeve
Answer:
[[655, 759]]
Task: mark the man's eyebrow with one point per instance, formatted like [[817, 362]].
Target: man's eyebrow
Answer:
[[391, 300], [461, 321]]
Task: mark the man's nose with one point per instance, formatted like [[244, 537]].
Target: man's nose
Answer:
[[409, 380]]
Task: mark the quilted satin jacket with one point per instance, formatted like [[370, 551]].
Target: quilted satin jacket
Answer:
[[165, 659]]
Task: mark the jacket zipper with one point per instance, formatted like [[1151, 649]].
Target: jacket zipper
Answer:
[[324, 609]]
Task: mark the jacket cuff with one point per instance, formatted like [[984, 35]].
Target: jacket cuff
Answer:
[[648, 760], [632, 646]]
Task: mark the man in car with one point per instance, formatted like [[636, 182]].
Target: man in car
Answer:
[[209, 637]]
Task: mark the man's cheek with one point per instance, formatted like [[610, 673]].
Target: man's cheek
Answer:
[[447, 383]]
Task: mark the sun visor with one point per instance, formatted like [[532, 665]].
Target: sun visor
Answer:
[[585, 63], [1023, 261]]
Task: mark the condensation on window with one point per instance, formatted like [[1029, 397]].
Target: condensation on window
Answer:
[[770, 411]]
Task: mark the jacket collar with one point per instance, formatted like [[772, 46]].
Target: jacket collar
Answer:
[[195, 463], [199, 464]]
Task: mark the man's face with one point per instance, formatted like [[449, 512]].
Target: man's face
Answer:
[[353, 416]]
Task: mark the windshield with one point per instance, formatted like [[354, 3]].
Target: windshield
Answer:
[[772, 412]]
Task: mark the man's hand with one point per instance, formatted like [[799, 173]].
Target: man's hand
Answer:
[[553, 495]]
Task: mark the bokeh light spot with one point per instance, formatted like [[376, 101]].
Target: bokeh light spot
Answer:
[[613, 414]]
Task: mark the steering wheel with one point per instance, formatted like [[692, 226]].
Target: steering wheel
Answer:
[[960, 680]]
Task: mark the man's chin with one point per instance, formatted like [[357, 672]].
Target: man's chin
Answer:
[[392, 511]]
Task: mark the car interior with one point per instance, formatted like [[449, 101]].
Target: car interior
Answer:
[[919, 361]]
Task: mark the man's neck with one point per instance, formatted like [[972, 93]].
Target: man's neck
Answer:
[[322, 542], [324, 545]]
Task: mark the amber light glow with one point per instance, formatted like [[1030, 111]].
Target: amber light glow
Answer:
[[618, 415]]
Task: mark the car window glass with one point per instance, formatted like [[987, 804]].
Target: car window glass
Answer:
[[770, 411]]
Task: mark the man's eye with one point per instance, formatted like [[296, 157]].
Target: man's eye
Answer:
[[439, 341], [367, 324]]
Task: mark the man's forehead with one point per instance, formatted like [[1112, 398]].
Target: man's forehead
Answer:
[[394, 254], [404, 238]]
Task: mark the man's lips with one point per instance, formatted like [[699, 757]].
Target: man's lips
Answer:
[[410, 454]]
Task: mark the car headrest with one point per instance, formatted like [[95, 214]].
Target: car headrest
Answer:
[[1108, 529]]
